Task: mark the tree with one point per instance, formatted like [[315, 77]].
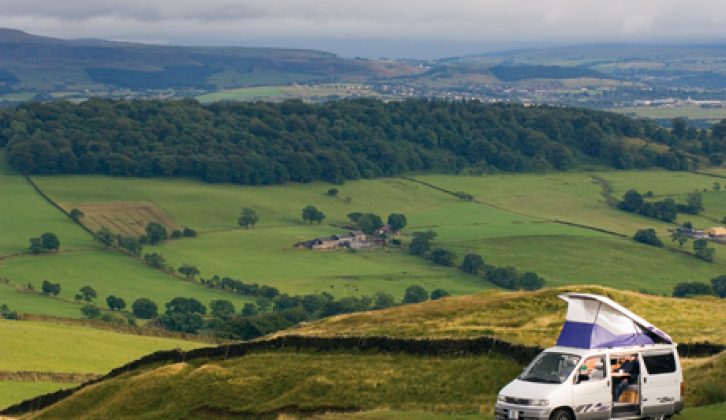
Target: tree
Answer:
[[90, 311], [473, 264], [87, 293], [718, 285], [632, 201], [155, 260], [648, 237], [700, 246], [264, 304], [369, 223], [680, 236], [383, 300], [189, 271], [183, 315], [36, 246], [312, 214], [75, 215], [443, 257], [188, 232], [104, 237], [115, 303], [397, 221], [248, 218], [249, 309], [686, 289], [49, 241], [694, 203], [531, 281], [144, 308], [156, 232], [679, 127], [439, 293], [222, 309], [332, 192], [421, 243], [415, 294], [50, 288], [505, 277]]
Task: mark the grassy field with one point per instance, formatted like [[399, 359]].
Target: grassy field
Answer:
[[267, 382], [691, 112], [517, 220], [108, 273], [127, 219], [15, 392], [71, 348], [530, 318], [35, 303]]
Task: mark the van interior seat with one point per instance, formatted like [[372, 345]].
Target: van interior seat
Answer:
[[630, 394]]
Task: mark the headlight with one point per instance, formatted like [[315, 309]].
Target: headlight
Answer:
[[500, 398], [540, 403]]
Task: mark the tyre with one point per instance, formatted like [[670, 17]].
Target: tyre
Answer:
[[562, 414]]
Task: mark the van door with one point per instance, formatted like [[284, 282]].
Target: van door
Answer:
[[660, 383], [591, 392]]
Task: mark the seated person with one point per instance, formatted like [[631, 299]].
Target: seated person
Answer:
[[632, 367]]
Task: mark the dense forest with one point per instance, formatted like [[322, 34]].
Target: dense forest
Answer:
[[268, 143]]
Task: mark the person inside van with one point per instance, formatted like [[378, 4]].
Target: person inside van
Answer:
[[631, 368]]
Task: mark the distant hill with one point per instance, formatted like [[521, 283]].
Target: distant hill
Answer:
[[36, 62]]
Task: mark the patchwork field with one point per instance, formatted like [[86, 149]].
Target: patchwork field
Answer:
[[126, 219]]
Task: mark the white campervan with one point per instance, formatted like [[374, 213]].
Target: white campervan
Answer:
[[608, 363]]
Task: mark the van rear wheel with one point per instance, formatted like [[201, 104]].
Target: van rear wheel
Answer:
[[562, 414]]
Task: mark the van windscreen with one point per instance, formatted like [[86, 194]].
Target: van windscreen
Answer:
[[660, 363], [550, 367]]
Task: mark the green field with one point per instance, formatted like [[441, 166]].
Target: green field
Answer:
[[75, 349], [516, 220], [15, 392], [691, 112], [109, 273]]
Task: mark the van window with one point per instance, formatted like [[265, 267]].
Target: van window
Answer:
[[593, 367], [660, 363], [550, 367]]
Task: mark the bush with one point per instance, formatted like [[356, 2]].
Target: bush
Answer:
[[144, 308], [700, 246], [531, 281], [648, 237], [443, 257], [439, 293], [686, 289], [473, 264], [90, 311], [505, 277], [718, 284], [415, 294], [189, 232], [332, 192]]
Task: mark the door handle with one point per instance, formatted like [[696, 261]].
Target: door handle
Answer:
[[645, 379]]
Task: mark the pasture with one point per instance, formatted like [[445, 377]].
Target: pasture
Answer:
[[555, 224], [73, 348], [108, 273], [12, 392], [124, 218]]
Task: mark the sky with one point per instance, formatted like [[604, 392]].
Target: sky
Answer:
[[375, 28]]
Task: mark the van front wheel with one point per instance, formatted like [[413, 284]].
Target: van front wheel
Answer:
[[562, 414]]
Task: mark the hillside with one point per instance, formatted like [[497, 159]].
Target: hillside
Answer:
[[37, 63], [529, 318], [300, 379]]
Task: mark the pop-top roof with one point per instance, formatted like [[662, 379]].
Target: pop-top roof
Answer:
[[595, 321]]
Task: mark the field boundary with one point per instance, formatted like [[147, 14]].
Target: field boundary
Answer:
[[42, 376], [53, 203], [418, 347]]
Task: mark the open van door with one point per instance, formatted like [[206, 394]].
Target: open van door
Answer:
[[591, 393], [660, 382]]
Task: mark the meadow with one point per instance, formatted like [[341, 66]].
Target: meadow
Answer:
[[74, 349], [14, 392]]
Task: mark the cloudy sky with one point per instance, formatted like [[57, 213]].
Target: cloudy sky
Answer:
[[373, 28]]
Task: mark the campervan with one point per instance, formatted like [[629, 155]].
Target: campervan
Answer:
[[607, 363]]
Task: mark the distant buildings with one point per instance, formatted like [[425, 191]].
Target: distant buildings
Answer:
[[354, 239]]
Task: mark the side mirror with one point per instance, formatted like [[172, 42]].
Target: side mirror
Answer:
[[582, 377]]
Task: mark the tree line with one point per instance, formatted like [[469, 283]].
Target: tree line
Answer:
[[270, 143]]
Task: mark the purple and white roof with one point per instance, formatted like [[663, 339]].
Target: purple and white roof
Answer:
[[595, 321]]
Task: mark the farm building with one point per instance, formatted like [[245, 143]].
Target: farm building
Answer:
[[354, 239], [716, 232]]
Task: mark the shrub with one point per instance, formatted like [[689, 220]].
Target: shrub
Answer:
[[685, 289], [144, 308], [443, 257], [531, 281], [415, 294], [439, 293], [189, 232], [648, 237], [718, 284], [473, 264], [90, 311], [332, 192]]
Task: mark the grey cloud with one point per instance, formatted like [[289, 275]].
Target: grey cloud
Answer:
[[486, 22]]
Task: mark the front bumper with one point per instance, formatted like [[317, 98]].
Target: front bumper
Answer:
[[502, 410]]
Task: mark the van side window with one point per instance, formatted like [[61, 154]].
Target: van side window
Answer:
[[593, 367], [660, 363]]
